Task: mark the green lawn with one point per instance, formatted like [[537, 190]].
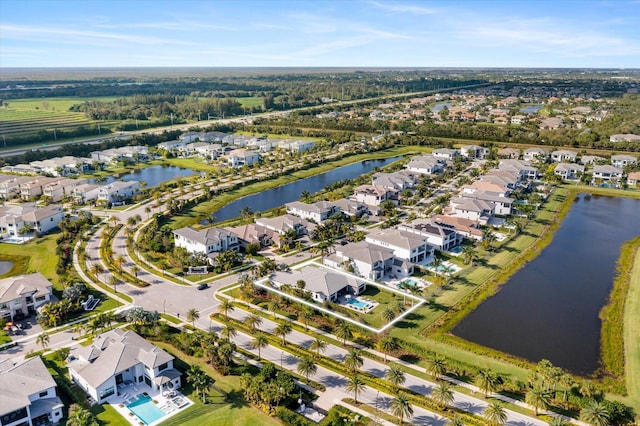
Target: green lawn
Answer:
[[251, 101], [40, 253], [632, 336], [51, 104]]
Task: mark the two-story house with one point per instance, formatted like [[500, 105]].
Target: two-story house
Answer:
[[564, 155], [426, 164], [206, 241], [317, 212], [536, 154], [21, 295], [118, 191], [40, 220], [606, 173], [474, 151], [242, 157], [375, 195], [623, 160], [439, 235], [10, 185], [405, 245], [568, 171], [369, 261]]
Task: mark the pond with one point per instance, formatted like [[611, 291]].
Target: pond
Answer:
[[281, 195], [5, 266], [549, 309], [153, 176], [531, 109], [439, 107]]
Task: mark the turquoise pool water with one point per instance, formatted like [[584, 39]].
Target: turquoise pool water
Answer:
[[357, 303], [409, 283], [146, 410]]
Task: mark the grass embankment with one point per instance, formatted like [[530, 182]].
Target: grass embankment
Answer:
[[632, 336], [37, 255]]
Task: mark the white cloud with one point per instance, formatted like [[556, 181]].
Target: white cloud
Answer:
[[404, 8]]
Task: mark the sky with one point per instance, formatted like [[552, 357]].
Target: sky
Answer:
[[320, 33]]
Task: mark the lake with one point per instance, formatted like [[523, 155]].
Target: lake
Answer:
[[549, 309], [154, 175], [5, 266], [439, 107], [283, 194], [531, 109]]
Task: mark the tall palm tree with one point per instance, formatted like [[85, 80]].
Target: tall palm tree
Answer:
[[192, 316], [136, 270], [401, 407], [495, 414], [307, 366], [79, 416], [283, 329], [557, 421], [396, 377], [355, 385], [443, 394], [114, 281], [306, 315], [353, 361], [225, 307], [344, 331], [596, 414], [253, 321], [455, 421], [229, 331], [469, 254], [487, 381], [318, 346], [199, 380], [538, 397], [43, 340], [97, 269], [259, 342], [386, 344], [437, 366]]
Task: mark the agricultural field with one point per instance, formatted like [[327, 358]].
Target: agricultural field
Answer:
[[21, 117], [251, 102]]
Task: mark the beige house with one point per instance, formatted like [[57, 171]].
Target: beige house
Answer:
[[21, 295]]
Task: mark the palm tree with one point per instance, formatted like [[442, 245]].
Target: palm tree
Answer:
[[114, 281], [43, 340], [225, 307], [136, 270], [283, 329], [386, 344], [253, 322], [192, 316], [259, 342], [388, 314], [79, 416], [199, 380], [443, 394], [595, 413], [487, 381], [396, 377], [538, 397], [455, 421], [401, 407], [353, 361], [97, 269], [355, 385], [557, 421], [305, 315], [318, 346], [437, 366], [495, 414], [469, 254], [343, 331], [307, 366], [229, 331]]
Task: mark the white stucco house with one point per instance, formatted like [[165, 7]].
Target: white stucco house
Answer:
[[322, 283], [405, 245], [21, 295], [14, 218], [206, 241], [317, 212], [426, 164]]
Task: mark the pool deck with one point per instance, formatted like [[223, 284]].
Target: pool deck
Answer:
[[126, 394]]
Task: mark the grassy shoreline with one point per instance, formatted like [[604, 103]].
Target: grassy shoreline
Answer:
[[632, 335]]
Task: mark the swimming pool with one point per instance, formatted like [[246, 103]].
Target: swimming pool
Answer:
[[357, 303], [145, 409], [409, 283]]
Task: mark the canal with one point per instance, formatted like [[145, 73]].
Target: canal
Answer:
[[280, 195], [153, 176], [549, 309]]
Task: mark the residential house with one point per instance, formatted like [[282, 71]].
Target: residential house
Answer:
[[21, 295], [606, 173], [369, 261], [252, 233], [133, 153], [474, 151], [317, 212], [623, 160], [426, 164], [522, 167], [405, 245], [189, 137], [563, 155], [592, 159], [633, 178], [28, 394], [568, 171], [624, 137], [85, 193], [446, 153], [62, 166], [375, 195], [35, 187], [501, 205], [192, 148], [439, 235], [117, 357], [465, 227], [536, 154], [509, 153], [323, 284], [206, 241], [400, 180], [469, 208], [242, 157], [297, 145], [283, 224], [56, 191], [118, 191], [354, 208], [10, 185], [15, 218], [171, 146]]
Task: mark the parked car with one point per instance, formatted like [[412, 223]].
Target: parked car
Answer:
[[203, 286]]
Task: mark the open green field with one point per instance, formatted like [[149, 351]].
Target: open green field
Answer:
[[40, 253], [251, 101], [632, 336]]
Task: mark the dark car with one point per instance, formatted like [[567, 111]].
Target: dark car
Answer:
[[203, 286]]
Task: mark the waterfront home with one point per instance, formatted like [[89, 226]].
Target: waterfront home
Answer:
[[171, 146], [397, 180], [446, 153], [27, 216], [500, 204], [35, 187], [56, 191], [536, 154], [354, 208], [85, 192], [112, 156], [206, 241], [10, 185], [426, 164], [288, 222], [563, 155], [317, 212], [28, 394], [62, 166], [439, 235], [375, 195], [474, 151], [568, 171], [405, 245], [323, 284], [633, 178], [467, 228], [118, 191], [522, 167], [241, 157], [369, 261], [623, 160], [606, 173], [120, 357], [21, 295]]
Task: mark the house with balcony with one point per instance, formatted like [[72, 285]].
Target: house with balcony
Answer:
[[405, 245], [118, 192], [399, 180], [21, 295], [38, 220], [536, 154], [469, 208], [317, 212], [564, 156], [522, 167], [62, 166], [206, 241], [592, 159], [56, 191], [606, 174], [368, 261], [35, 187], [285, 223], [474, 152], [241, 157], [85, 193], [568, 171], [446, 153], [509, 153], [439, 235], [375, 195], [28, 394], [10, 185], [426, 164], [623, 160], [120, 357]]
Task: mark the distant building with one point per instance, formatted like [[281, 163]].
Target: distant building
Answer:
[[624, 137]]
